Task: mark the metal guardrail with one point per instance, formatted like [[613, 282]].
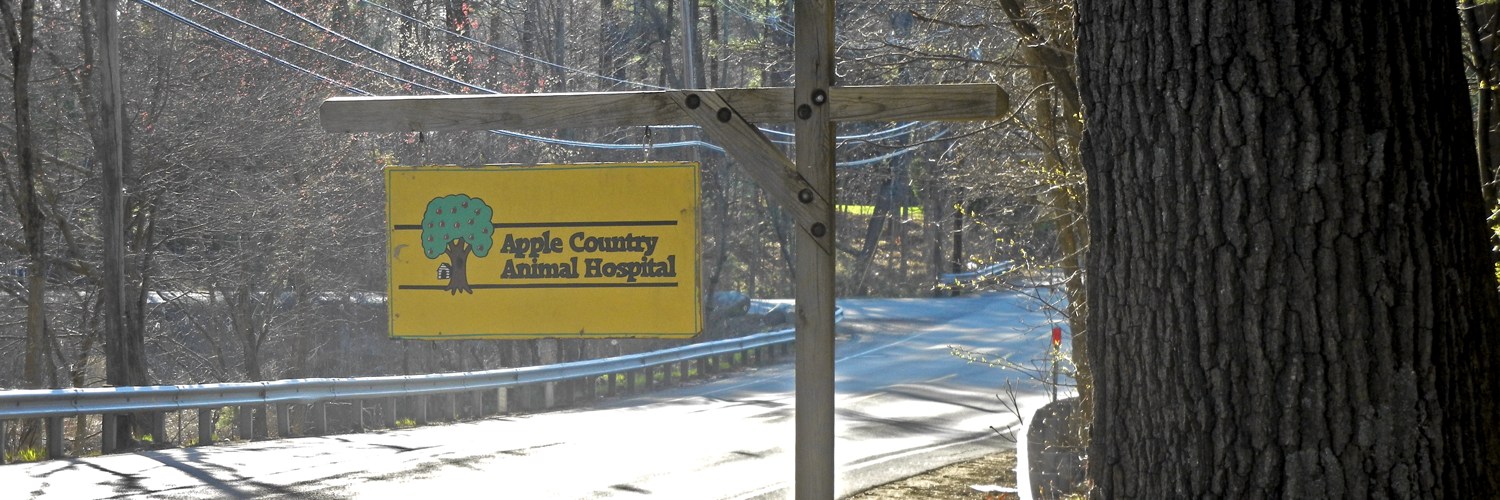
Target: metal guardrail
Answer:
[[60, 403], [953, 279]]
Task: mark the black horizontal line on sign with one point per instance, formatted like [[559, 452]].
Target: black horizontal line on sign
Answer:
[[546, 285], [521, 225]]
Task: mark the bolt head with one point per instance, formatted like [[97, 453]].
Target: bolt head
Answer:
[[805, 196], [725, 115], [693, 101], [818, 230], [804, 111]]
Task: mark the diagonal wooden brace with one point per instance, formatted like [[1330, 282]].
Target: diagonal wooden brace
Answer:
[[763, 161]]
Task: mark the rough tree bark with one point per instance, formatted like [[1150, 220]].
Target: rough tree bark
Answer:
[[1290, 285]]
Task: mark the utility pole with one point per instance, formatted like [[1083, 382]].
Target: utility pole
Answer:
[[692, 75], [124, 352]]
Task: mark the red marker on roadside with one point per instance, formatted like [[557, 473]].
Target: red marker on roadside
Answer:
[[1056, 336]]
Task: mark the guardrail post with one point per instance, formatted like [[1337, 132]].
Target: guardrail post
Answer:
[[478, 411], [242, 421], [591, 389], [283, 420], [567, 392], [320, 417], [390, 412], [4, 430], [610, 379], [502, 400], [421, 403], [452, 406], [205, 426], [54, 438], [159, 429], [359, 415], [110, 441]]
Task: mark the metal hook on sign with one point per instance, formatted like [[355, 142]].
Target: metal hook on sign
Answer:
[[646, 145]]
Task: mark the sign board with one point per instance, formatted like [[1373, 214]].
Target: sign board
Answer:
[[561, 251]]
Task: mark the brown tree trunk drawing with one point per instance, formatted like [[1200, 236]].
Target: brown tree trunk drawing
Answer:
[[458, 259]]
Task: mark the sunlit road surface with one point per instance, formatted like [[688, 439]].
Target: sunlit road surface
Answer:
[[904, 405]]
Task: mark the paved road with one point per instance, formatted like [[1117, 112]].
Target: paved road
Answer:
[[904, 405]]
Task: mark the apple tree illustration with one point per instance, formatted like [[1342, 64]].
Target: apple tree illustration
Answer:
[[457, 225]]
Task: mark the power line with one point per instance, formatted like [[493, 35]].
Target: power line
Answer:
[[870, 136], [378, 52], [509, 51], [547, 140], [253, 50], [309, 47]]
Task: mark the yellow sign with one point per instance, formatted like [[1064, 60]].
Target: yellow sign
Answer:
[[571, 251]]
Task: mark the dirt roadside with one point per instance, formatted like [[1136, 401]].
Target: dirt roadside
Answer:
[[952, 481]]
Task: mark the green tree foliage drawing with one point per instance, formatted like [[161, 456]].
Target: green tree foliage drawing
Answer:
[[457, 225]]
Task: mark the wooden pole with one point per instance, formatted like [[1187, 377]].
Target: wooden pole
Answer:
[[123, 354], [813, 69], [804, 187]]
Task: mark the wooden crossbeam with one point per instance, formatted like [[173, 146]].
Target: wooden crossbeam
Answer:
[[978, 101]]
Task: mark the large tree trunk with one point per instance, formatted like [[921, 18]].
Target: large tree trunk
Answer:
[[1290, 288], [18, 31]]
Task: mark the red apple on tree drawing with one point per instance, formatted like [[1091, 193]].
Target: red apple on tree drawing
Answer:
[[457, 225]]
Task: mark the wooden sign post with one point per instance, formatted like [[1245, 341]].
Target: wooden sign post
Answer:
[[804, 188]]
